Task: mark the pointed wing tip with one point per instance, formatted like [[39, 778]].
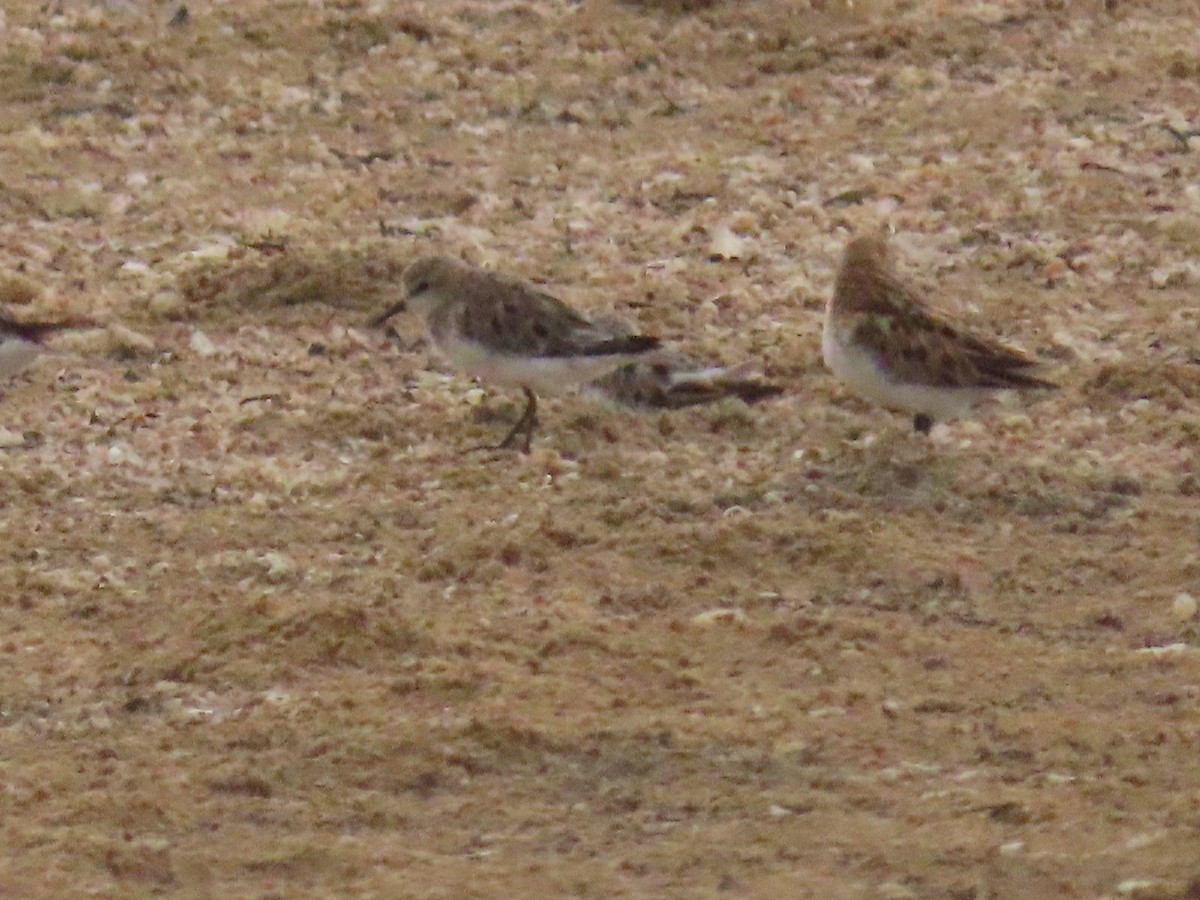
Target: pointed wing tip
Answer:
[[1032, 381], [643, 343], [752, 392], [1012, 368], [1012, 376], [634, 344]]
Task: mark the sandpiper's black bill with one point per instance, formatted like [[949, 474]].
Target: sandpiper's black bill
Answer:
[[388, 313]]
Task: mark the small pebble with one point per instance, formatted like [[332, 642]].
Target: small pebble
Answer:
[[725, 244], [1184, 606], [1176, 649], [122, 338], [1136, 887], [744, 222], [201, 344], [715, 616], [10, 439]]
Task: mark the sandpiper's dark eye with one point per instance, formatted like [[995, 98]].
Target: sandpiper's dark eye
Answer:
[[419, 287]]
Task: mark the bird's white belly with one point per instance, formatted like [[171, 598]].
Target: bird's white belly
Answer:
[[15, 355], [860, 371], [540, 374]]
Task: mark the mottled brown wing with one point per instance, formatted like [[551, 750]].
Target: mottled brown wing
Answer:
[[917, 347], [660, 385], [640, 385], [512, 316], [750, 390]]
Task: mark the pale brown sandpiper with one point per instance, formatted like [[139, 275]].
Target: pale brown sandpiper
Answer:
[[506, 331], [885, 346]]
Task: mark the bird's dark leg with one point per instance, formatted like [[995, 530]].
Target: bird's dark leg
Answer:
[[922, 423], [525, 426]]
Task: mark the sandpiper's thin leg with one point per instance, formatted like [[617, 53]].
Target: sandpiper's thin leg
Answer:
[[525, 425]]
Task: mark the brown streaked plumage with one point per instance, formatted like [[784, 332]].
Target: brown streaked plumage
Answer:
[[882, 343], [673, 380], [677, 382], [506, 331]]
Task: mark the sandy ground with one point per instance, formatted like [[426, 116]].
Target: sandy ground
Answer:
[[266, 632]]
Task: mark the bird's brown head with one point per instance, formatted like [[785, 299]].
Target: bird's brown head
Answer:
[[869, 250], [425, 282], [431, 279], [864, 282]]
